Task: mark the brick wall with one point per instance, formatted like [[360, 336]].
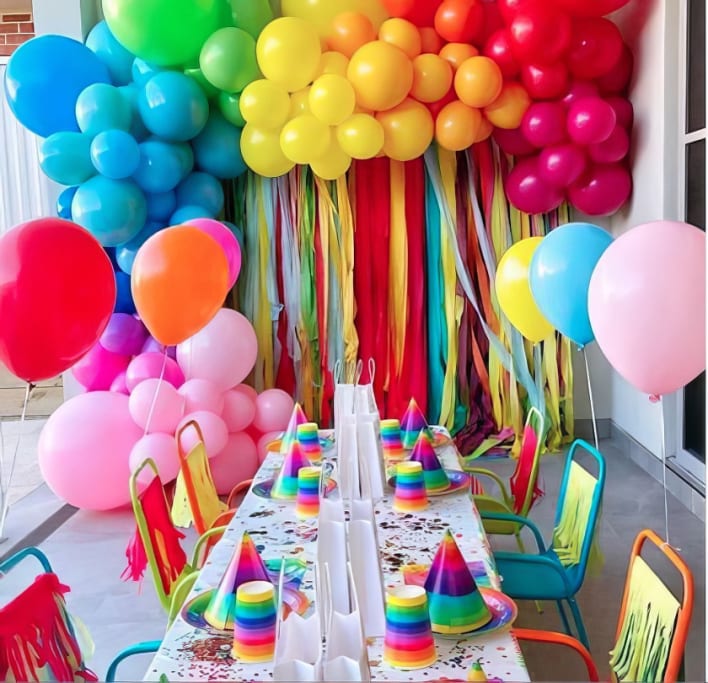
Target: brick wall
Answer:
[[15, 28]]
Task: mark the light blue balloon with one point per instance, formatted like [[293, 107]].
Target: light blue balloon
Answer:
[[115, 154], [117, 59], [125, 253], [173, 106], [64, 202], [137, 127], [143, 71], [160, 205], [160, 167], [217, 149], [113, 211], [185, 213], [201, 189], [560, 273], [186, 157], [66, 158], [102, 107]]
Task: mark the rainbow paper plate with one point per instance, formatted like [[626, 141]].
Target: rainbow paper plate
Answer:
[[458, 482], [415, 574], [440, 437], [326, 441], [504, 613], [264, 488]]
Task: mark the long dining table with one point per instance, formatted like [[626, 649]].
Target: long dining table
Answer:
[[191, 652]]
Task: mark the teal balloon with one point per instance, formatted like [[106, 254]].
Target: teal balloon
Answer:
[[217, 149], [160, 167], [113, 211], [66, 158], [560, 273], [103, 107], [186, 157], [125, 253], [115, 154], [251, 15], [160, 205], [143, 71], [201, 189], [137, 127], [186, 213], [117, 59]]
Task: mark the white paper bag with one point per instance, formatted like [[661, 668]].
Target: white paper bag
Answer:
[[348, 458], [344, 395], [367, 576], [332, 561], [370, 454]]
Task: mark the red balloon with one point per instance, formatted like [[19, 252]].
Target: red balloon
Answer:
[[527, 191], [57, 296], [578, 90], [545, 82], [498, 48], [436, 107], [460, 21], [544, 123], [623, 110], [602, 190], [419, 12], [539, 34], [614, 149], [561, 165], [595, 48], [590, 120], [512, 141], [510, 8], [590, 8], [492, 19], [617, 79]]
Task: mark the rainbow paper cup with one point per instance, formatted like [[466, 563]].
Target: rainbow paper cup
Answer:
[[307, 503], [408, 641], [254, 622], [391, 441], [410, 494], [309, 438]]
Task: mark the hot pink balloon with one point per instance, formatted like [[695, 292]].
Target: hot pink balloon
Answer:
[[578, 90], [84, 450], [614, 149], [125, 334], [263, 442], [617, 79], [623, 110], [99, 367], [223, 352], [528, 192], [213, 430], [227, 241], [544, 124], [602, 190], [201, 394], [156, 405], [239, 410], [590, 120], [273, 410], [561, 165], [236, 463], [162, 449], [647, 305], [149, 365], [512, 141], [119, 384], [247, 390]]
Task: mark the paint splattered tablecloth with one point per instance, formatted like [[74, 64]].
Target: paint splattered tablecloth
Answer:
[[192, 654]]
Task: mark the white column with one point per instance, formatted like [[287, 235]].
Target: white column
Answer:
[[73, 18]]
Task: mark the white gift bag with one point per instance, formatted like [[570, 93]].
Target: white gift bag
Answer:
[[367, 576], [344, 394]]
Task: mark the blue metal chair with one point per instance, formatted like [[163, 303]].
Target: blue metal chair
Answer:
[[557, 572], [12, 561], [138, 649]]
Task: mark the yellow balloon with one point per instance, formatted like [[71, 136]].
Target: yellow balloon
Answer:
[[408, 130], [321, 12], [300, 103], [360, 136], [265, 104], [514, 292], [332, 99], [288, 52], [333, 164], [261, 151], [333, 63], [305, 138]]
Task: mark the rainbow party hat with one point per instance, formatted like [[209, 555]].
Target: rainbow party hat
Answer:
[[413, 423], [297, 418], [436, 478], [245, 565], [285, 484], [456, 604]]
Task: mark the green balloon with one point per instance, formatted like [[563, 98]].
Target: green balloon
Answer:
[[228, 59], [229, 104], [163, 32], [251, 15], [207, 88]]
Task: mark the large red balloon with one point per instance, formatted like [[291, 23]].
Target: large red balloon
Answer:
[[590, 8], [595, 48], [498, 47], [419, 12], [57, 295], [540, 34], [460, 21], [545, 82], [617, 79]]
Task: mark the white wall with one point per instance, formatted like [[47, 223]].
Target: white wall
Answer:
[[73, 18]]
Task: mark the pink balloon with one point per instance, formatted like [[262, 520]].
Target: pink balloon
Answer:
[[561, 165], [602, 190], [99, 367], [647, 305], [84, 450], [149, 365], [151, 345], [578, 90], [236, 463], [544, 124], [528, 192], [512, 141], [213, 430], [614, 149], [201, 394], [227, 241], [590, 120], [617, 79], [623, 111], [119, 385], [263, 443], [273, 410], [223, 352], [162, 448], [160, 397], [239, 410], [248, 390]]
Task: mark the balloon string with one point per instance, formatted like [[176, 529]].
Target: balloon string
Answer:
[[663, 474], [592, 400], [157, 392]]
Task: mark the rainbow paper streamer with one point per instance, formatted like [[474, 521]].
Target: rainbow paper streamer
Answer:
[[285, 484], [309, 438], [456, 605], [410, 495], [246, 565], [436, 478], [254, 624], [408, 641], [391, 439], [297, 418], [413, 423], [307, 504]]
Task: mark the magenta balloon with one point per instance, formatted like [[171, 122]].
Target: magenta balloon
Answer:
[[223, 352], [99, 367], [124, 334], [544, 124], [561, 165], [590, 120], [647, 305], [213, 430], [156, 405], [201, 394], [273, 410], [227, 241], [239, 410], [614, 149], [237, 462], [528, 192], [602, 190], [512, 141], [162, 449], [149, 365], [119, 384], [578, 90], [623, 110], [264, 441], [84, 450]]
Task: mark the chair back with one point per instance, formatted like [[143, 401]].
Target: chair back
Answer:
[[577, 514], [653, 624], [524, 481]]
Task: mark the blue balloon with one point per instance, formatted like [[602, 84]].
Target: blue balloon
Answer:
[[64, 202], [560, 273], [117, 59], [201, 189], [143, 71], [66, 158], [125, 253], [111, 251], [160, 167], [113, 211], [115, 154], [173, 106], [44, 78], [124, 297], [160, 205], [186, 157], [217, 148], [102, 107], [137, 127], [185, 213]]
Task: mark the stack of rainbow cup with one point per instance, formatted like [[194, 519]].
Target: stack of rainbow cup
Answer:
[[309, 438], [254, 622], [391, 439], [410, 494], [307, 503], [408, 641], [285, 484]]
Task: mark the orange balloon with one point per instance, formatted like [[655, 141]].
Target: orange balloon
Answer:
[[484, 131], [179, 281], [408, 130], [430, 41], [456, 53], [332, 63], [478, 81], [457, 126], [403, 34], [509, 108], [350, 30], [432, 78]]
